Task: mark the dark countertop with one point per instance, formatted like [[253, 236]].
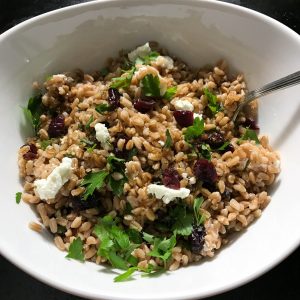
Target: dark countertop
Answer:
[[280, 283]]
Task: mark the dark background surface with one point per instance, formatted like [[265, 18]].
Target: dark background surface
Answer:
[[280, 283]]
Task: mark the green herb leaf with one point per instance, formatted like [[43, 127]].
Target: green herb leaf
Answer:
[[124, 81], [205, 151], [117, 261], [184, 222], [148, 237], [88, 124], [87, 142], [134, 236], [18, 197], [197, 204], [93, 181], [117, 186], [126, 275], [213, 104], [45, 143], [223, 147], [170, 92], [147, 59], [121, 237], [33, 111], [49, 77], [61, 229], [163, 248], [195, 130], [249, 135], [169, 141], [150, 86], [131, 153], [116, 164], [102, 108], [75, 250]]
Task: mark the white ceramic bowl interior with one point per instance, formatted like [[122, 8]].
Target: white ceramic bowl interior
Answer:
[[200, 32]]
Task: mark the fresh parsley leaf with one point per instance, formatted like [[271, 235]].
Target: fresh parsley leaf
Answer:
[[93, 181], [49, 77], [134, 236], [117, 261], [33, 111], [197, 204], [90, 149], [150, 86], [249, 135], [170, 92], [123, 81], [184, 223], [195, 130], [87, 142], [131, 153], [75, 250], [18, 197], [223, 147], [148, 237], [128, 209], [116, 164], [126, 275], [117, 186], [205, 151], [121, 237], [88, 124], [45, 143], [213, 104], [102, 108], [162, 248], [61, 229], [169, 141], [146, 60], [104, 71]]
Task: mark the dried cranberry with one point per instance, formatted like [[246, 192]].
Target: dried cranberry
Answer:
[[205, 171], [197, 239], [114, 97], [120, 153], [79, 203], [31, 153], [57, 127], [143, 106], [215, 140], [171, 179], [251, 123], [184, 118]]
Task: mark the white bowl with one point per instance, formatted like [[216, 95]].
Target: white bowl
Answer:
[[200, 32]]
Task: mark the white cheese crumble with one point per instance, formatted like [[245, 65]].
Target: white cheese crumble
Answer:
[[165, 62], [139, 52], [183, 105], [48, 188], [192, 180], [162, 143], [197, 116], [102, 135], [166, 194], [184, 175]]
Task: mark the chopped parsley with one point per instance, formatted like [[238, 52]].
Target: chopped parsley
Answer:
[[194, 131], [116, 165], [123, 81], [150, 86], [88, 124], [169, 141], [45, 143], [170, 92], [205, 151], [147, 59], [198, 217], [131, 153], [183, 221], [89, 145], [213, 104], [102, 108], [33, 111], [126, 275], [249, 135], [18, 197], [76, 250], [224, 146], [93, 181]]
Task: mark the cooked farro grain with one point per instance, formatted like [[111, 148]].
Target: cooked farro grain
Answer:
[[102, 141]]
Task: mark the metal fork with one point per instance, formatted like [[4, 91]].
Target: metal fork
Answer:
[[276, 85]]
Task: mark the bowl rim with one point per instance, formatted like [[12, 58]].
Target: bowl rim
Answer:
[[40, 276]]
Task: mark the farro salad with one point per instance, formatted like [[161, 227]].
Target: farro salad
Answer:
[[139, 166]]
